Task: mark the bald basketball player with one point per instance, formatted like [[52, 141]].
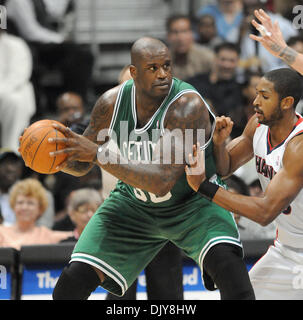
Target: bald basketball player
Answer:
[[152, 202]]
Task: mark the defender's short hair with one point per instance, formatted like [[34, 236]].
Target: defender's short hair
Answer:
[[287, 82]]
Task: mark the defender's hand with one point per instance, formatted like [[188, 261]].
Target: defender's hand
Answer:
[[270, 34], [224, 126], [78, 148], [195, 171]]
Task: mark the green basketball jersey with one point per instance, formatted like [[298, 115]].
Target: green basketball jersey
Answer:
[[137, 144]]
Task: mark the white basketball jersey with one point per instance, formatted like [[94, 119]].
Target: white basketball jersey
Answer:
[[269, 160]]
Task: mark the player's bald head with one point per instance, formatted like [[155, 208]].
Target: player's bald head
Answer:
[[145, 48]]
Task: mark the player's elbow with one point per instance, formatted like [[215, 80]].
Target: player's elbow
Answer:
[[267, 215]]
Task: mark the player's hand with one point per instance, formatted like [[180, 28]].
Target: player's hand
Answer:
[[195, 171], [77, 147], [271, 37], [224, 126]]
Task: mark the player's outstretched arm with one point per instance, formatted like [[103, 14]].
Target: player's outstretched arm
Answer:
[[229, 157], [272, 40], [281, 191]]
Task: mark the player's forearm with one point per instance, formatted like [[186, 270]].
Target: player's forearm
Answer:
[[257, 209], [222, 159], [77, 168], [154, 177], [292, 58]]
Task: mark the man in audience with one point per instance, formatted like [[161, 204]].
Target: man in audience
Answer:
[[219, 86], [188, 57]]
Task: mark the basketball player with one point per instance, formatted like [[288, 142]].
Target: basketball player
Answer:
[[272, 39], [152, 202], [273, 136]]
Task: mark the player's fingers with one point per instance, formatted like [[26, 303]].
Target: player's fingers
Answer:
[[256, 38], [191, 160], [187, 170], [62, 151], [65, 130], [62, 165], [66, 141], [263, 17]]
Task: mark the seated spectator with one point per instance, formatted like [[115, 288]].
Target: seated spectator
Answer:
[[297, 44], [251, 50], [228, 15], [28, 199], [219, 85], [82, 204], [249, 230], [71, 110], [17, 98], [207, 32], [12, 169], [188, 57], [243, 112], [47, 26]]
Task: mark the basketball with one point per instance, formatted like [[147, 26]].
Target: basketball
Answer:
[[35, 148]]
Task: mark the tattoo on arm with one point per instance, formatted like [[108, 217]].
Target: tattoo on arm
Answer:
[[288, 55], [275, 47]]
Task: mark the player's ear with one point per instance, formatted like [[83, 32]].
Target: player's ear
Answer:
[[287, 102], [133, 71]]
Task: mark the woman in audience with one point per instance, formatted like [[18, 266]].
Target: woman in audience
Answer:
[[28, 198], [82, 204]]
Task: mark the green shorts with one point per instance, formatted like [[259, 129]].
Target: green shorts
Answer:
[[122, 237]]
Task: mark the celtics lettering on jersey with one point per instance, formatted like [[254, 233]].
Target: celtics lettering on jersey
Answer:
[[138, 144]]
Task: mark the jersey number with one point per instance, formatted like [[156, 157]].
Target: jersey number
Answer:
[[155, 199]]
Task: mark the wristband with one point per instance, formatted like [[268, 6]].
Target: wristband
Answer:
[[208, 189]]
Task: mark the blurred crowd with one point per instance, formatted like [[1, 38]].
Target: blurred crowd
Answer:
[[211, 50]]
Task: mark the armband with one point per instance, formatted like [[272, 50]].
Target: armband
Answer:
[[208, 189]]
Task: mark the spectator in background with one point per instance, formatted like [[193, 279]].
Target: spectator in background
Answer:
[[249, 230], [71, 110], [251, 50], [296, 43], [228, 15], [219, 86], [17, 99], [82, 204], [12, 170], [28, 199], [242, 113], [47, 26], [188, 57], [207, 32]]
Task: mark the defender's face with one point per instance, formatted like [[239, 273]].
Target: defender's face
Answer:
[[267, 103], [153, 75]]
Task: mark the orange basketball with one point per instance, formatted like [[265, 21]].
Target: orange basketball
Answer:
[[35, 148]]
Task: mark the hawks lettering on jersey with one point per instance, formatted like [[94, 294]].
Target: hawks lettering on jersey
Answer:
[[269, 160], [263, 168]]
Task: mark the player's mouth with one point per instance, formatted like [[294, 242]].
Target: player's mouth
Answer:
[[163, 85], [258, 112]]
